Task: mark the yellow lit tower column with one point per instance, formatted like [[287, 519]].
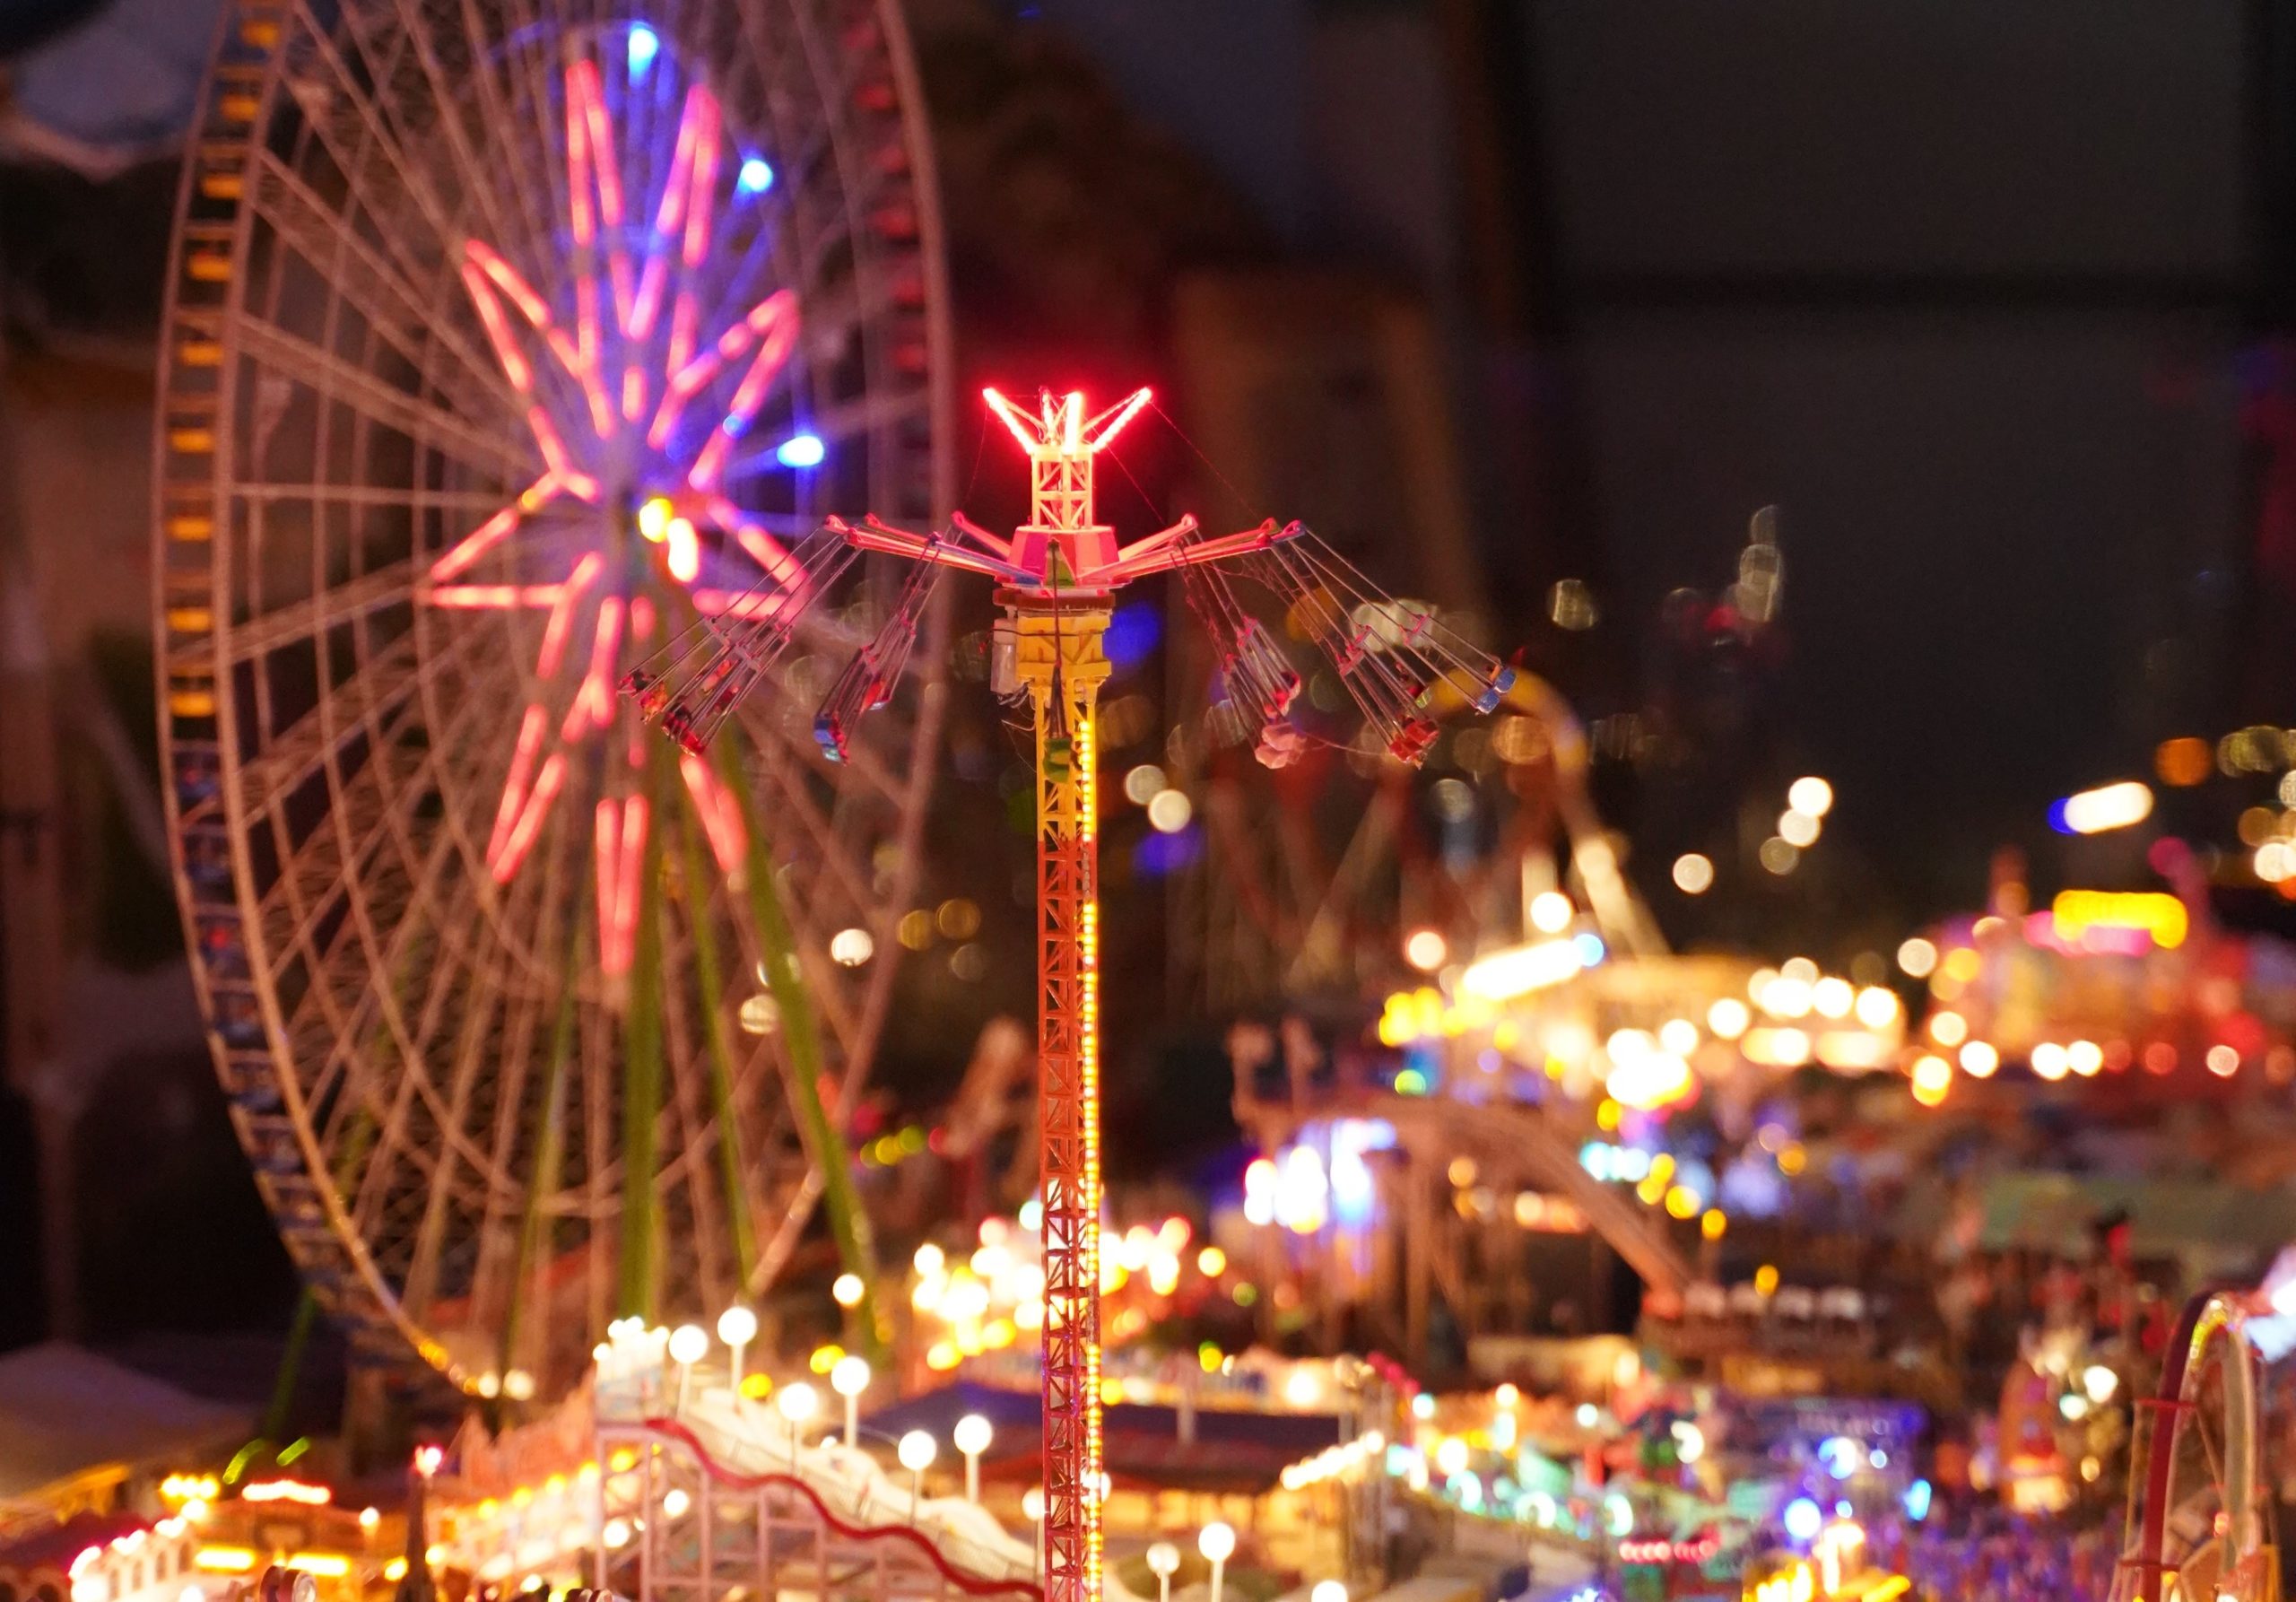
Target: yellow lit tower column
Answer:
[[1049, 645], [1059, 659]]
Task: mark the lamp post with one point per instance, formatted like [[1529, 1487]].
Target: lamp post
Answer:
[[1164, 1562], [850, 1378], [972, 1435], [737, 1328], [916, 1453], [1032, 1508], [1217, 1542], [689, 1344], [796, 1404]]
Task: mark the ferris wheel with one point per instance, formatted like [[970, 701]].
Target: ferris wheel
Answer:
[[2201, 1509], [504, 337]]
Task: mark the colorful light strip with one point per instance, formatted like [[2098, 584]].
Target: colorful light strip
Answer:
[[1088, 1085]]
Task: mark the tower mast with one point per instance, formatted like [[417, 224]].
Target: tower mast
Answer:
[[1057, 576]]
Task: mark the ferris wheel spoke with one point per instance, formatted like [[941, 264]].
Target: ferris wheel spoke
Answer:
[[315, 874], [825, 981], [481, 42], [469, 946], [351, 999], [833, 425], [387, 1185], [259, 637], [327, 873], [372, 705], [379, 401], [375, 705], [325, 100], [411, 499], [495, 1218], [542, 204], [414, 32], [820, 848], [542, 78], [404, 316], [477, 1033], [410, 1164], [822, 80], [357, 1012]]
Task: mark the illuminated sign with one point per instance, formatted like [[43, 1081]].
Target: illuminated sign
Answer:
[[314, 1496], [2091, 918], [1794, 1583], [1504, 975]]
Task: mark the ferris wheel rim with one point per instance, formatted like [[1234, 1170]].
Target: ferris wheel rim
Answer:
[[317, 1216]]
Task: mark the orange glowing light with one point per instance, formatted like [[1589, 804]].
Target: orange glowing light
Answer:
[[2184, 762], [315, 1496], [1933, 1077]]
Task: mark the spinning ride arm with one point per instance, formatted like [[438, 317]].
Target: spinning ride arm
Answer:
[[1395, 659], [868, 679], [1392, 657]]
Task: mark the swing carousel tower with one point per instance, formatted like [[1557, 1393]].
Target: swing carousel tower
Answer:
[[1057, 575]]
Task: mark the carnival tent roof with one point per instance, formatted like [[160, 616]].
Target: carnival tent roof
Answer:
[[2226, 1224], [64, 1411], [113, 87]]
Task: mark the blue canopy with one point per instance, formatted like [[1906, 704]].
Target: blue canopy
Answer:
[[112, 88]]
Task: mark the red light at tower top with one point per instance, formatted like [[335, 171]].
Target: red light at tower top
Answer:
[[1061, 443], [1060, 428]]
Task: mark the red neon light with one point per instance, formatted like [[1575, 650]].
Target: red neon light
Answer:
[[620, 842], [562, 613], [721, 819], [514, 785], [1108, 423], [493, 597], [475, 544], [593, 702], [1010, 416]]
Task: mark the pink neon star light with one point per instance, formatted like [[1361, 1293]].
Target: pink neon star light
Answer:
[[609, 375]]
